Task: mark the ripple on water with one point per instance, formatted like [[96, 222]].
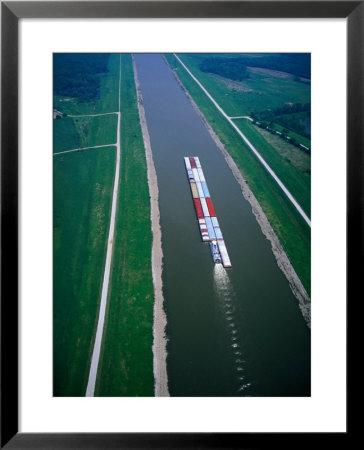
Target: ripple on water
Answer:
[[226, 294]]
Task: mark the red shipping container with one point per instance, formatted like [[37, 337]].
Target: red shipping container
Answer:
[[198, 208], [211, 207], [193, 163]]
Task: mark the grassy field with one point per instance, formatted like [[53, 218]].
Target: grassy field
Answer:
[[298, 157], [258, 92], [97, 130], [74, 132], [105, 103], [65, 135], [126, 363], [82, 201], [299, 138], [289, 163], [264, 89], [82, 190], [83, 183]]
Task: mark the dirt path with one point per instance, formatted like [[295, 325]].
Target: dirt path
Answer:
[[160, 320], [92, 115], [242, 117], [90, 391], [282, 259], [85, 148]]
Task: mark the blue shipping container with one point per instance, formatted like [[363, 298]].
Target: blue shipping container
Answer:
[[210, 228], [205, 190], [218, 233], [214, 221]]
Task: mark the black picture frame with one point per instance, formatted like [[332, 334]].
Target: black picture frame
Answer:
[[11, 12]]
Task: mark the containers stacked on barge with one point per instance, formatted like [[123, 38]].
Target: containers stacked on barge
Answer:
[[205, 211]]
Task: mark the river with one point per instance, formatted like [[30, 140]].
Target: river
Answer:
[[231, 332]]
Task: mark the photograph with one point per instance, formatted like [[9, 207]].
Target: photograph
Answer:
[[181, 224]]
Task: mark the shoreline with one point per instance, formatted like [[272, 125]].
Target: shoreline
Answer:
[[159, 316], [280, 255]]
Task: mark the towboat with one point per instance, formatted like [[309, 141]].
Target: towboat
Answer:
[[215, 252]]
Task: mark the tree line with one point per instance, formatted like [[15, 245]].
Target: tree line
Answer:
[[231, 68], [295, 116], [76, 75], [235, 68]]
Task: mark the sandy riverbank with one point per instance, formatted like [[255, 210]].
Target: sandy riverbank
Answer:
[[160, 320], [282, 259]]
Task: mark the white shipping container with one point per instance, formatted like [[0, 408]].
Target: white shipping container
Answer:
[[222, 246], [195, 174], [187, 162], [200, 191], [204, 233], [203, 227], [205, 209], [201, 175], [224, 254], [197, 161]]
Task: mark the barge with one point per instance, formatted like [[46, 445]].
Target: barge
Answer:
[[205, 212]]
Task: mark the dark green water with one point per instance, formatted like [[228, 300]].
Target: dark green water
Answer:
[[233, 332]]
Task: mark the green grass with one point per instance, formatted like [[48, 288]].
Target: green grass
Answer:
[[107, 101], [83, 183], [297, 157], [82, 190], [74, 132], [82, 201], [299, 138], [126, 362], [285, 159], [98, 130], [261, 91], [65, 135], [292, 230]]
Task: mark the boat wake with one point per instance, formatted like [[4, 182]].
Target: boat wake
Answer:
[[227, 299]]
